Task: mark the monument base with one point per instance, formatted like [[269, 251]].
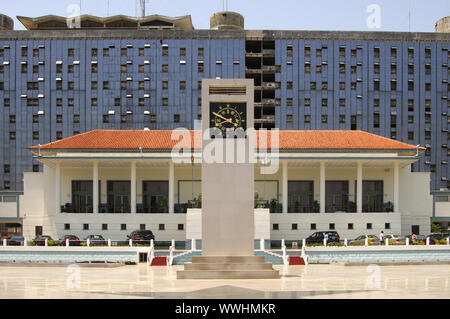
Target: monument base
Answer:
[[228, 267]]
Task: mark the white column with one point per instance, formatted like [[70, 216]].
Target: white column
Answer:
[[322, 187], [396, 189], [359, 188], [95, 188], [58, 188], [133, 187], [171, 187], [285, 187]]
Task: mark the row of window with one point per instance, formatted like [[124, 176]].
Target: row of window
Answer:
[[124, 227], [354, 52], [331, 226], [106, 51]]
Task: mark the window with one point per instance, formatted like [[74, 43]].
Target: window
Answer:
[[35, 69], [104, 226], [289, 51], [289, 101], [307, 68], [33, 85], [313, 227], [410, 105], [59, 68], [342, 102], [307, 51], [387, 225], [201, 67], [307, 119], [70, 68], [342, 68], [123, 52], [70, 85], [141, 68], [376, 52], [76, 118], [105, 118], [393, 135], [428, 69], [94, 51], [165, 68], [94, 68], [342, 52], [350, 226], [94, 85], [393, 53], [24, 68], [289, 85], [393, 85], [410, 85], [427, 87], [35, 168], [336, 196], [410, 119], [142, 226], [294, 226], [376, 120], [70, 52], [427, 53], [32, 102], [318, 53], [123, 226], [85, 226], [123, 68], [332, 226], [376, 85], [123, 118], [307, 101], [94, 101], [176, 118], [59, 118], [35, 118], [393, 68], [200, 51], [410, 53], [123, 85], [24, 52], [165, 50], [411, 136], [153, 118], [289, 118], [324, 102], [182, 51], [318, 69], [353, 69], [161, 227], [66, 226], [410, 69], [342, 119], [141, 85], [59, 135], [6, 168], [393, 121], [325, 86], [275, 227], [141, 52], [58, 102], [312, 85], [324, 118], [182, 85], [106, 52], [369, 226], [353, 86], [376, 68], [165, 101]]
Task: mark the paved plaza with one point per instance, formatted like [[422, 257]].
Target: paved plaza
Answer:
[[140, 281]]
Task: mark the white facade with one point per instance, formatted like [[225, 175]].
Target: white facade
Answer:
[[45, 192]]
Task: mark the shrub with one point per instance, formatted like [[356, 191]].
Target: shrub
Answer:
[[415, 242], [356, 244], [443, 241], [83, 244], [53, 243], [314, 245], [335, 244], [31, 243]]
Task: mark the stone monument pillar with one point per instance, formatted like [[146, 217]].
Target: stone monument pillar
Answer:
[[228, 224]]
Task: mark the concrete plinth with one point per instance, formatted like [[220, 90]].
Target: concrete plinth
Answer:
[[228, 267]]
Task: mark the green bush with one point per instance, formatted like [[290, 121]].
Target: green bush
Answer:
[[356, 244], [419, 243], [314, 245], [53, 243], [335, 245], [31, 243]]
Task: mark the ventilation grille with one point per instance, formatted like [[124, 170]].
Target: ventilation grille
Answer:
[[227, 90]]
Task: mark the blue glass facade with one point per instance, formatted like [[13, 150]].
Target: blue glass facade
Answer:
[[59, 83]]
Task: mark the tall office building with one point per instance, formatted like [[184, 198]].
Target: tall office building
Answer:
[[63, 77]]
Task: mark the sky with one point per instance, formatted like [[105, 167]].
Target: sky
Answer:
[[361, 15]]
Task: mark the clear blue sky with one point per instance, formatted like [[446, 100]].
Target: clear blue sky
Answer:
[[259, 14]]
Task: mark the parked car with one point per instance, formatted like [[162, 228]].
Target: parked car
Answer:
[[16, 241], [96, 240], [419, 238], [317, 237], [40, 240], [437, 236], [362, 239], [141, 236], [396, 238], [73, 240]]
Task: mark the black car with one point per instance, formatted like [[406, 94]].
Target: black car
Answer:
[[96, 240], [317, 237], [40, 240], [16, 241], [141, 236], [73, 240]]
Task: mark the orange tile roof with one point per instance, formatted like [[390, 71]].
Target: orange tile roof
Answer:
[[162, 140]]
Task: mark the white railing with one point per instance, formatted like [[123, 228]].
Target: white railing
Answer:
[[151, 253], [171, 250], [285, 255]]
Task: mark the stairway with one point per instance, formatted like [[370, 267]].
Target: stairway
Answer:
[[228, 267]]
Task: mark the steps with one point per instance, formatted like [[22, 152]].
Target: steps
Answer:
[[159, 261], [228, 267]]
